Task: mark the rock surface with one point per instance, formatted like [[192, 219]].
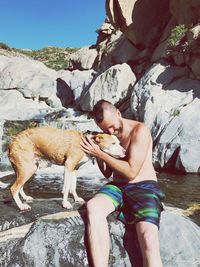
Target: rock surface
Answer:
[[111, 45], [54, 240], [27, 88], [77, 80], [167, 103], [140, 21], [83, 59], [185, 12], [113, 85]]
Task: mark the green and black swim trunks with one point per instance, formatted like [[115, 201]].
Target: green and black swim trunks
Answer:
[[141, 201]]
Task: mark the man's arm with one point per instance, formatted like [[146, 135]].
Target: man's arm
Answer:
[[138, 149]]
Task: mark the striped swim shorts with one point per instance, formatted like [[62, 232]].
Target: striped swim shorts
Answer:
[[136, 202]]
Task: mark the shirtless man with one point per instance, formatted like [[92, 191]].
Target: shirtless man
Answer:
[[134, 177]]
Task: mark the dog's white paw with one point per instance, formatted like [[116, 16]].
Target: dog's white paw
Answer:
[[24, 207], [67, 205], [79, 199], [28, 199]]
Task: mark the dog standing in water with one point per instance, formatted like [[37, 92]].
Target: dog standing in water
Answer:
[[59, 146]]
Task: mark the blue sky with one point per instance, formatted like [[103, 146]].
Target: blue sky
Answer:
[[40, 23]]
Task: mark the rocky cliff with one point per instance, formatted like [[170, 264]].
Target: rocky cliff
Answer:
[[159, 41], [145, 61]]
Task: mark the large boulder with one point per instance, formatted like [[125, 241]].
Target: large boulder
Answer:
[[185, 12], [78, 81], [83, 59], [113, 85], [111, 45], [168, 103], [155, 36], [140, 21], [59, 240], [13, 106], [32, 78], [180, 45], [27, 88]]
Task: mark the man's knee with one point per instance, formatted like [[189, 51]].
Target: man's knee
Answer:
[[99, 207], [94, 209], [91, 206]]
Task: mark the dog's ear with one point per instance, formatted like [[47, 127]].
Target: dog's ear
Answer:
[[96, 139]]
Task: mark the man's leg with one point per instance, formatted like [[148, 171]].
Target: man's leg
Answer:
[[149, 244], [98, 208]]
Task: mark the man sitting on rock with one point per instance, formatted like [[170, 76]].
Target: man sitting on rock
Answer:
[[134, 191]]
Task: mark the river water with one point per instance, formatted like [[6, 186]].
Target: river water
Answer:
[[182, 191]]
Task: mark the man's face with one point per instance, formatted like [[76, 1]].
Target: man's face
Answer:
[[112, 123]]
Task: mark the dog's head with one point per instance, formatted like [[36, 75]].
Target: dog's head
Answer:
[[109, 144]]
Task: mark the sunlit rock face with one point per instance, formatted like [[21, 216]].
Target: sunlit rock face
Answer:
[[27, 88], [151, 33], [83, 59], [30, 90], [114, 85], [111, 46], [168, 102]]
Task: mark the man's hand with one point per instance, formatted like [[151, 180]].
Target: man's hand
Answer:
[[90, 147]]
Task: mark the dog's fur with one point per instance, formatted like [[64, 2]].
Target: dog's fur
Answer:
[[58, 145]]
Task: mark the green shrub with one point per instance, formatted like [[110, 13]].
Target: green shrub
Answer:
[[177, 34], [4, 46], [53, 57]]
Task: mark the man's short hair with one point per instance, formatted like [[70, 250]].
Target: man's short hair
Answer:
[[100, 107]]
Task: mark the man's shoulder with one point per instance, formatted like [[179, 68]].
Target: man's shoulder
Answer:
[[140, 129], [139, 126]]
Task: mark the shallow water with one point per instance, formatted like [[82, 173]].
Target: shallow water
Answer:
[[181, 191]]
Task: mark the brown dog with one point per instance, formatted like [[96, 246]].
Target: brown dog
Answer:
[[58, 145]]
